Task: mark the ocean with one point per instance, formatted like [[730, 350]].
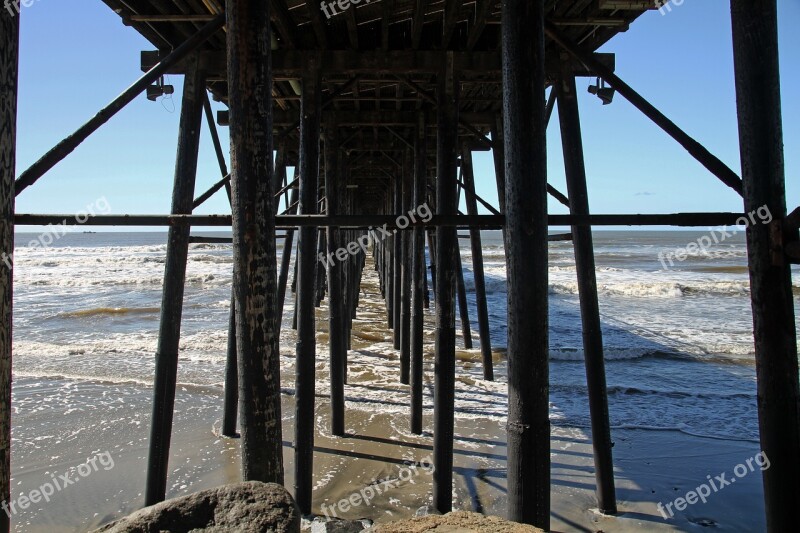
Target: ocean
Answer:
[[678, 342]]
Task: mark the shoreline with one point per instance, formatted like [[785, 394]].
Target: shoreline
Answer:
[[651, 466]]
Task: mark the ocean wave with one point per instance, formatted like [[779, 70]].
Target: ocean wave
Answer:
[[102, 311]]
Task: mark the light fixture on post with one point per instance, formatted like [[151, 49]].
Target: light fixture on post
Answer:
[[159, 89], [606, 94]]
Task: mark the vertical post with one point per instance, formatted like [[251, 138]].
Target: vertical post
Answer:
[[446, 242], [397, 259], [9, 65], [231, 399], [526, 262], [311, 105], [249, 63], [758, 99], [418, 274], [463, 309], [498, 155], [169, 332], [572, 144], [477, 266], [334, 267], [286, 259], [405, 274]]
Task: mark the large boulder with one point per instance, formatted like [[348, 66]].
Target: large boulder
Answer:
[[250, 507], [457, 522]]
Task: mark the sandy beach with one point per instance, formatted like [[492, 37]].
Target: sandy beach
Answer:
[[60, 423]]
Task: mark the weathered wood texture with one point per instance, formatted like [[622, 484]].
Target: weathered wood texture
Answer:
[[254, 253], [334, 271], [418, 276], [9, 68], [169, 332], [446, 267], [526, 262], [477, 267], [758, 99], [306, 348], [574, 164]]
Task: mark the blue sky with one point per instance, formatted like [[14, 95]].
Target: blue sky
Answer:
[[76, 56]]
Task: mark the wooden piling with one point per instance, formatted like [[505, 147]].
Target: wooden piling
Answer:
[[477, 267], [311, 105], [336, 338], [286, 260], [461, 291], [397, 268], [405, 273], [755, 53], [166, 367], [249, 66], [231, 398], [9, 68], [418, 274], [446, 267], [572, 144], [526, 261]]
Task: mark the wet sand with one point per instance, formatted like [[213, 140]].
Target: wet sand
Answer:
[[60, 424]]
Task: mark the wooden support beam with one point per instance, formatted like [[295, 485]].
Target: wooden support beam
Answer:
[[352, 27], [69, 144], [223, 183], [758, 99], [418, 276], [482, 10], [477, 268], [286, 258], [253, 227], [284, 24], [450, 17], [306, 348], [698, 151], [461, 293], [230, 406], [406, 280], [9, 67], [686, 220], [447, 247], [315, 15], [397, 261], [526, 262], [572, 144], [333, 183], [387, 8], [417, 23], [169, 333]]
